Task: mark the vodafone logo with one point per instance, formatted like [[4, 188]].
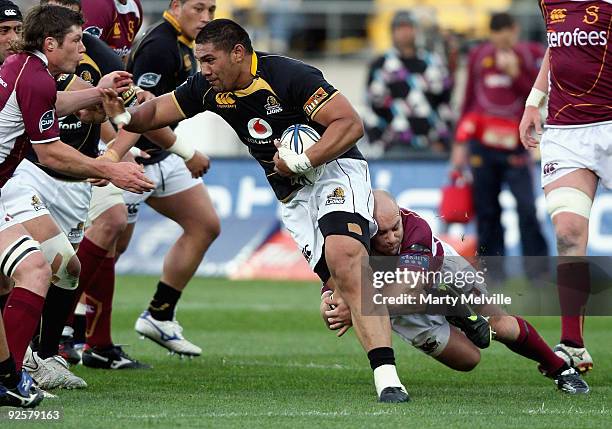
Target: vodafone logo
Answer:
[[259, 129]]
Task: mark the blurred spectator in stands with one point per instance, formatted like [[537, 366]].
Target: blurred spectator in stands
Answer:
[[408, 95], [500, 74]]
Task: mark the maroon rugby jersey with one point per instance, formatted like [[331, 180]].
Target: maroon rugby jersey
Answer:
[[27, 109], [418, 235], [580, 88], [491, 91], [115, 23]]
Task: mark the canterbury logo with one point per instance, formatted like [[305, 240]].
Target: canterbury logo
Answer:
[[225, 99], [558, 15]]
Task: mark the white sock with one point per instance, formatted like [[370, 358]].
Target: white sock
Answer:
[[80, 309], [386, 376]]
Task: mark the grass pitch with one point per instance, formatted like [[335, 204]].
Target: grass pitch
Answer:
[[268, 361]]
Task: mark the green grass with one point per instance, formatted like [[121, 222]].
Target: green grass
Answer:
[[268, 361]]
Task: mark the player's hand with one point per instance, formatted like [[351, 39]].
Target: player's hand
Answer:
[[118, 80], [530, 122], [129, 176], [280, 166], [198, 165], [144, 96], [336, 313], [113, 104], [98, 182]]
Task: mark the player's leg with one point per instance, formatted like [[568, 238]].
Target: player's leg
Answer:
[[22, 260], [522, 338], [6, 285], [432, 335], [109, 216], [186, 201], [569, 201], [343, 201], [16, 388]]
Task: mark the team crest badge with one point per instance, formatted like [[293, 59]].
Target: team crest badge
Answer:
[[37, 204], [336, 197], [273, 106]]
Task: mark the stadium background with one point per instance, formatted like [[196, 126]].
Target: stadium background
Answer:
[[267, 359]]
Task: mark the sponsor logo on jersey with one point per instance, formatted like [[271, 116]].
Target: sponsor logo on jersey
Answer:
[[578, 37], [336, 197], [592, 15], [46, 120], [414, 262], [86, 76], [148, 80], [272, 106], [70, 126], [259, 129], [315, 100], [225, 100], [37, 204], [77, 231], [549, 168], [122, 52], [94, 31], [557, 16]]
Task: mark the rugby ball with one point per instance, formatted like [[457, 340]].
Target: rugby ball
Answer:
[[299, 138]]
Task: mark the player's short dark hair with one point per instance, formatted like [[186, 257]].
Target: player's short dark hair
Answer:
[[47, 21], [501, 21], [67, 3], [224, 34]]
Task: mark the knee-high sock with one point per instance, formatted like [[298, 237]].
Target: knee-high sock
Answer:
[[57, 308], [99, 298], [21, 316], [574, 286], [531, 345]]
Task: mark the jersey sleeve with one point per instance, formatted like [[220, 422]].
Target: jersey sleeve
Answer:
[[152, 73], [64, 81], [189, 97], [308, 88], [36, 98], [98, 16]]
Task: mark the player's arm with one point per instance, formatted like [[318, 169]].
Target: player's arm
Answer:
[[344, 128], [69, 102], [91, 115], [67, 160], [532, 120]]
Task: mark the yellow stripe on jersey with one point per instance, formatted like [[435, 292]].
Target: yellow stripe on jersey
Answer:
[[178, 106], [89, 61]]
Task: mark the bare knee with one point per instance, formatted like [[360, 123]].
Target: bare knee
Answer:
[[468, 362], [112, 222], [506, 328], [204, 229], [571, 233], [33, 273]]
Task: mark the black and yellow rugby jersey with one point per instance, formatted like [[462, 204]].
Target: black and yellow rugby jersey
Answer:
[[98, 61], [284, 92], [161, 60]]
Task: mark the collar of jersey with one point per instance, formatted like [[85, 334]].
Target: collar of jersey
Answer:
[[42, 57], [177, 27], [258, 83]]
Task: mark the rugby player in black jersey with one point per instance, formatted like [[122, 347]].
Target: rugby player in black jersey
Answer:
[[180, 194], [259, 96]]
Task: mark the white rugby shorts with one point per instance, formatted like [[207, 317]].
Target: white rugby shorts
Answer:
[[565, 150]]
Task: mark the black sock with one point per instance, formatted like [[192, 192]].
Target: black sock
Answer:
[[381, 356], [56, 310], [164, 302], [3, 299], [8, 374], [79, 324]]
